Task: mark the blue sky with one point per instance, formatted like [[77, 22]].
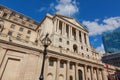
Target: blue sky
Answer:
[[98, 16]]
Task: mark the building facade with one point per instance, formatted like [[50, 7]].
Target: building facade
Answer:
[[69, 57], [113, 59], [111, 41]]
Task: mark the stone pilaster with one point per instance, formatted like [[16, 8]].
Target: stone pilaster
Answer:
[[91, 69], [85, 71], [98, 77], [67, 70], [77, 35], [82, 36], [57, 25], [76, 71], [57, 69]]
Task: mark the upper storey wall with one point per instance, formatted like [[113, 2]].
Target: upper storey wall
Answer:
[[17, 25]]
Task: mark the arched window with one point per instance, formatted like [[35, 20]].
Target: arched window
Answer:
[[71, 78], [75, 48]]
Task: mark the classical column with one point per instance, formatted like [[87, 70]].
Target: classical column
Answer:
[[67, 70], [104, 76], [91, 69], [57, 25], [87, 39], [57, 69], [82, 37], [76, 71], [69, 32], [46, 67], [77, 35], [98, 77], [85, 71]]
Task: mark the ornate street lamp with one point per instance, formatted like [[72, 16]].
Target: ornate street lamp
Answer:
[[46, 42]]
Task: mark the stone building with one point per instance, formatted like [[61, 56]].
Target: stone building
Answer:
[[69, 57]]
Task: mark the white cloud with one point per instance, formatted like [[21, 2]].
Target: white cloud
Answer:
[[100, 49], [67, 7], [42, 9], [95, 28]]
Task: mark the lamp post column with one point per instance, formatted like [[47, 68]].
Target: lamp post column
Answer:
[[43, 63]]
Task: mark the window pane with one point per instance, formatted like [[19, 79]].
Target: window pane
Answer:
[[10, 33], [12, 26], [29, 32], [51, 62], [18, 36], [61, 65], [21, 29]]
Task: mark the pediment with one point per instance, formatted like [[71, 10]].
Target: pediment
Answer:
[[73, 21]]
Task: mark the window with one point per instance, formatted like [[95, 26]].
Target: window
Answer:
[[23, 22], [71, 66], [21, 29], [29, 32], [60, 39], [61, 64], [10, 33], [1, 22], [27, 38], [19, 36], [71, 78], [51, 62], [12, 26], [67, 42], [68, 49], [86, 49], [4, 15], [30, 25], [81, 47]]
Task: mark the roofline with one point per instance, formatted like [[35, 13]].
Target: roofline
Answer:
[[19, 13]]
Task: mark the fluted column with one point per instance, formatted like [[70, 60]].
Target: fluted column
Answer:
[[85, 71], [62, 28], [70, 31], [57, 25], [91, 69], [76, 71], [87, 40], [57, 69], [77, 35], [82, 37], [98, 77], [104, 76], [67, 70]]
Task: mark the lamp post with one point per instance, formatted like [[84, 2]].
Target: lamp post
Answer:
[[46, 42]]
